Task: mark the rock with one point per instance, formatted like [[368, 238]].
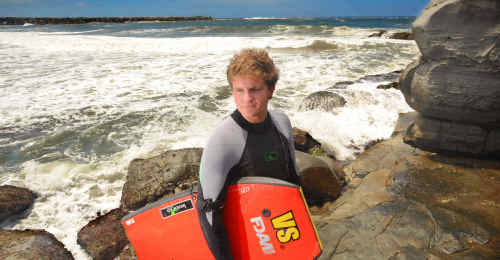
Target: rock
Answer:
[[323, 101], [370, 193], [453, 92], [454, 85], [31, 244], [104, 237], [150, 179], [461, 30], [14, 200], [394, 85], [423, 206], [321, 183], [400, 36], [453, 138], [377, 34], [341, 85], [404, 121], [303, 140], [382, 155], [128, 253], [379, 156]]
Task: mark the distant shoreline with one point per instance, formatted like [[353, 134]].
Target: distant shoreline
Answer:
[[84, 20]]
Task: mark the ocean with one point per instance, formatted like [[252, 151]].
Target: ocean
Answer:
[[79, 102]]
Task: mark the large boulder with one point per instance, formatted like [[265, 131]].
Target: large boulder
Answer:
[[104, 237], [31, 244], [322, 101], [150, 179], [14, 200], [454, 85], [321, 182]]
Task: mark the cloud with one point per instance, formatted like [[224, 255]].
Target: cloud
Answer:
[[81, 4]]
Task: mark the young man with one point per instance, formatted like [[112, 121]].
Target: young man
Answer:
[[252, 141]]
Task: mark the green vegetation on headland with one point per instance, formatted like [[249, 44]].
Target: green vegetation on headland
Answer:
[[83, 20]]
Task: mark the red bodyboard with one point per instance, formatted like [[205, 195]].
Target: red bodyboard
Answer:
[[267, 218], [168, 230]]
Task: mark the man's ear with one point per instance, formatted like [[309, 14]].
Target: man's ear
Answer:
[[271, 92]]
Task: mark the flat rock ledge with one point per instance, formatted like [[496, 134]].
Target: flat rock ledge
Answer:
[[31, 244]]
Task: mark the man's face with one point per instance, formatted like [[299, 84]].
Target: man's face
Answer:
[[251, 95]]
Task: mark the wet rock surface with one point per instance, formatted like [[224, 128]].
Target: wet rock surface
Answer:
[[322, 101], [104, 237], [321, 180], [304, 141], [150, 179], [415, 205], [31, 244], [14, 201]]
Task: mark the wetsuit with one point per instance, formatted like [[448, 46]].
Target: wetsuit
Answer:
[[239, 148]]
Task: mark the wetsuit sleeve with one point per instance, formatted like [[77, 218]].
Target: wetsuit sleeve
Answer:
[[223, 150]]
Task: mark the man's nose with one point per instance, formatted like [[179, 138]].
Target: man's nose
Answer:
[[248, 96]]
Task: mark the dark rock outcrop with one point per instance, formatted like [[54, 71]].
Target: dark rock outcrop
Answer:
[[104, 237], [323, 101], [14, 200], [455, 84], [400, 36], [304, 141], [150, 179], [392, 35], [394, 85], [83, 20], [31, 244]]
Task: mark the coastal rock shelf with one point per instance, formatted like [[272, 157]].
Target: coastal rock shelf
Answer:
[[82, 20]]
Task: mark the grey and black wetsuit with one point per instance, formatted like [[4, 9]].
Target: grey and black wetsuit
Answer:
[[239, 148]]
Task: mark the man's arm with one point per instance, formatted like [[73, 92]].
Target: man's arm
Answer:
[[222, 152]]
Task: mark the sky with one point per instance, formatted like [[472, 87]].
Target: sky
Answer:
[[214, 8]]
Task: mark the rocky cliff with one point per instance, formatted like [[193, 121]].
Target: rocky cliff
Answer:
[[455, 85]]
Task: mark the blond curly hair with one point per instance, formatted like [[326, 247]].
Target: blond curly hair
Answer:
[[253, 62]]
